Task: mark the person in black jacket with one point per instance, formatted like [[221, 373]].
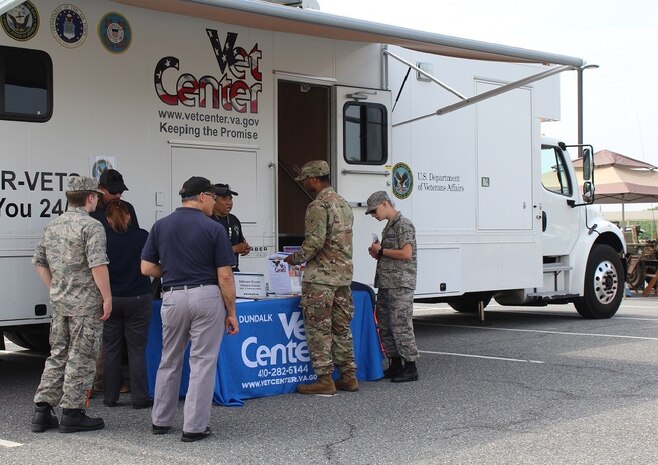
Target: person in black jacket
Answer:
[[131, 294]]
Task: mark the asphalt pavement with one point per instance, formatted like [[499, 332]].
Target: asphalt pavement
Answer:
[[527, 386]]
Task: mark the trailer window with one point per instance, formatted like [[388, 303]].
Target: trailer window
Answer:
[[554, 175], [26, 78], [365, 135]]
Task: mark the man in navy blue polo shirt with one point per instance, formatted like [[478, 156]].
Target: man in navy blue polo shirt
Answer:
[[193, 256]]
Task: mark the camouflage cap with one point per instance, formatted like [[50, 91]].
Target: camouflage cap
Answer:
[[375, 200], [82, 183], [313, 169]]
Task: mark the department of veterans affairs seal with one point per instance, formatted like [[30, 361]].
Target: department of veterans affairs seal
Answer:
[[403, 180], [68, 25], [21, 22], [114, 32]]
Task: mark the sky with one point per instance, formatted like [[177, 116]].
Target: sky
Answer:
[[620, 97]]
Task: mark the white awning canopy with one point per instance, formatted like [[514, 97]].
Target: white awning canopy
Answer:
[[272, 17]]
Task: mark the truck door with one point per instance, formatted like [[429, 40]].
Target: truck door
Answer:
[[560, 222], [363, 136]]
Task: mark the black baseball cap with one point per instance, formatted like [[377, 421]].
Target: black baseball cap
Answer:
[[224, 190], [112, 181], [195, 185]]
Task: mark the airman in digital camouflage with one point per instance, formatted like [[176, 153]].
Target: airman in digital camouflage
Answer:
[[326, 296], [71, 260], [395, 280]]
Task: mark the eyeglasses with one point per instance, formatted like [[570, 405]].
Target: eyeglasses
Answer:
[[211, 194]]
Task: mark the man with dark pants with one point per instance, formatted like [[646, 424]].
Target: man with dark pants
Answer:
[[395, 280], [222, 214], [71, 260], [192, 255], [326, 294]]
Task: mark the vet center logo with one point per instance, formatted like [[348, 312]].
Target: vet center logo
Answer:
[[68, 25], [403, 180]]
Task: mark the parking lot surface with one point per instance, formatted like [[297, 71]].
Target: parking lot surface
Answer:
[[528, 386]]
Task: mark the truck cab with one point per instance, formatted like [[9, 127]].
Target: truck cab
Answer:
[[582, 252]]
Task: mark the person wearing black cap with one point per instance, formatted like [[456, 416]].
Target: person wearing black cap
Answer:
[[222, 214], [112, 185], [193, 257]]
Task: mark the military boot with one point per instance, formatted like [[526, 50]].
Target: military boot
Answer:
[[44, 418], [75, 419], [394, 367], [347, 382], [409, 373], [323, 385]]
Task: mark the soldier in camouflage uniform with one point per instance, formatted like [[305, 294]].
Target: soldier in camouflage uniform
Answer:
[[326, 296], [72, 262], [395, 280]]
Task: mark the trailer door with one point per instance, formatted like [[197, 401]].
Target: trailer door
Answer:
[[363, 136]]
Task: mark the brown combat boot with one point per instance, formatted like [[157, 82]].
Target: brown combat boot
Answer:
[[347, 382], [323, 385]]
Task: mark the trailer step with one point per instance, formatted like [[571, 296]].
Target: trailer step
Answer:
[[551, 295], [556, 267]]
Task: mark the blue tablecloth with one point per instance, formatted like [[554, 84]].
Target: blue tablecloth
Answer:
[[269, 355]]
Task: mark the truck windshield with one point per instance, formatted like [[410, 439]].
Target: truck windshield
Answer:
[[554, 176]]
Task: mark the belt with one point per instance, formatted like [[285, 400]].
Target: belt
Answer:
[[182, 287]]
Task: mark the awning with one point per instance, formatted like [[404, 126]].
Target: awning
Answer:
[[272, 17]]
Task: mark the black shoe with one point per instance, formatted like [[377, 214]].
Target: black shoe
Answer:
[[410, 373], [75, 420], [143, 404], [394, 368], [155, 429], [110, 403], [44, 418], [191, 437]]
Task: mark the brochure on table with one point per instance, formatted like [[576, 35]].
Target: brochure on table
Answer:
[[284, 279]]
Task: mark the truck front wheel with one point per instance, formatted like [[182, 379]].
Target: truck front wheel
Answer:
[[604, 284]]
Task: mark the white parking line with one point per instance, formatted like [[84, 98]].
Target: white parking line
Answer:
[[480, 356], [566, 333], [4, 443]]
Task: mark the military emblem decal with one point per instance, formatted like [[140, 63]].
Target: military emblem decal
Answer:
[[403, 180], [114, 32], [21, 22], [68, 25]]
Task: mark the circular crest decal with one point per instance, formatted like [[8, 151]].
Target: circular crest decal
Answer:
[[403, 180], [21, 22], [68, 25], [114, 32]]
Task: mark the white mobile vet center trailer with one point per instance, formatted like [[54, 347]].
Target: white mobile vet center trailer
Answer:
[[245, 92]]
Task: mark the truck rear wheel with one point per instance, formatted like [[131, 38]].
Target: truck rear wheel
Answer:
[[33, 337], [468, 303], [604, 284]]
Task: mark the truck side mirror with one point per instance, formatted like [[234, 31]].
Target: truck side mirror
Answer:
[[588, 192], [588, 163]]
